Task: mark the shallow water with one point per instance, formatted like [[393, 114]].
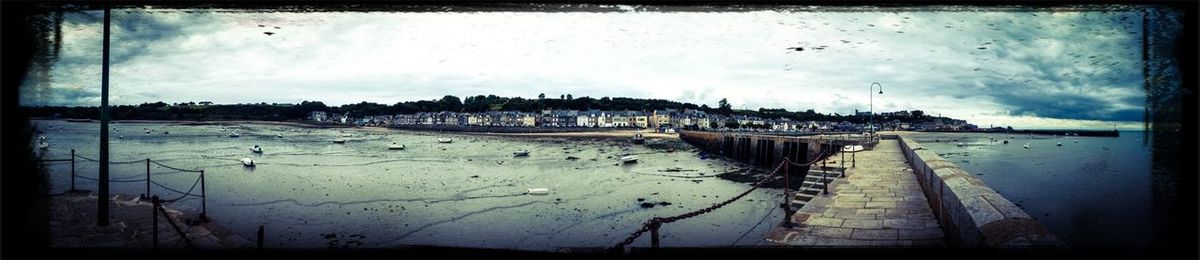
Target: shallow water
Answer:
[[468, 193], [1090, 193]]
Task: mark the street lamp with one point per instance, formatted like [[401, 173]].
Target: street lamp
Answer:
[[872, 97]]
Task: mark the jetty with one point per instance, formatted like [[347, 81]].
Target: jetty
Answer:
[[894, 193]]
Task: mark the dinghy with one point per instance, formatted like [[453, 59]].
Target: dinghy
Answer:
[[395, 146], [521, 153], [247, 162], [256, 149], [629, 159], [234, 134], [538, 191], [445, 140]]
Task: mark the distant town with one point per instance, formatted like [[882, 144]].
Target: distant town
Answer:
[[563, 112], [663, 120]]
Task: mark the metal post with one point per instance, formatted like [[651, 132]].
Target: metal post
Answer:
[[843, 161], [154, 213], [102, 196], [147, 178], [73, 170], [824, 188], [203, 199], [654, 234], [853, 161], [260, 237]]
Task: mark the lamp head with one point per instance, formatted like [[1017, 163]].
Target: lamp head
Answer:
[[880, 91]]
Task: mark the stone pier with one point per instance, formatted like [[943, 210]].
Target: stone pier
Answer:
[[878, 204]]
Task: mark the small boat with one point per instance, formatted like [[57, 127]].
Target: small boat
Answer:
[[339, 141], [1005, 141], [279, 135], [537, 191], [42, 138], [234, 134], [638, 139], [166, 132], [121, 136], [43, 145], [247, 162], [629, 159], [445, 140], [960, 144], [1026, 145], [521, 153], [395, 146], [852, 148], [1076, 140], [256, 149], [1059, 143]]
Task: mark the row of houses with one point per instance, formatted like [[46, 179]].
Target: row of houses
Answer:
[[657, 119]]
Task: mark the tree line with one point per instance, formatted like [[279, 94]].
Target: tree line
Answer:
[[473, 104]]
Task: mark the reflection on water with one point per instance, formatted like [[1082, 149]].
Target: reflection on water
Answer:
[[1090, 192], [311, 192]]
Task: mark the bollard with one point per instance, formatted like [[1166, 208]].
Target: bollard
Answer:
[[203, 199], [73, 170], [853, 162], [154, 214], [260, 237]]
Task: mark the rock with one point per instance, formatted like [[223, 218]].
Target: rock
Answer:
[[664, 203], [641, 199], [647, 205]]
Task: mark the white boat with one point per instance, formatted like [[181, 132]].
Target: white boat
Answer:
[[1026, 145], [339, 141], [521, 153], [445, 140], [537, 191], [960, 144], [279, 135], [629, 159], [1059, 143], [852, 148], [1076, 140], [247, 162], [43, 145], [234, 134], [395, 146], [638, 139], [256, 149]]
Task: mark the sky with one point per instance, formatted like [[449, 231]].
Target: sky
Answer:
[[1026, 69]]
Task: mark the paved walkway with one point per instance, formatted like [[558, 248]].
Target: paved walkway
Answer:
[[878, 204], [73, 225]]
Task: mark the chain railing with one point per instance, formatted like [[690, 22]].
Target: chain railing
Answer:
[[203, 195], [655, 223]]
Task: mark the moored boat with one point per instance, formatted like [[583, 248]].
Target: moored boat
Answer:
[[395, 146], [234, 134], [629, 159], [638, 139], [339, 141], [538, 191], [521, 153], [445, 140], [256, 149], [247, 162]]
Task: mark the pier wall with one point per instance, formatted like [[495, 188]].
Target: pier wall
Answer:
[[970, 212], [764, 151]]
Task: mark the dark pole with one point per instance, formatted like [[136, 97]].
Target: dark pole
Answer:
[[73, 170], [147, 178], [260, 236], [654, 235], [203, 199], [102, 197]]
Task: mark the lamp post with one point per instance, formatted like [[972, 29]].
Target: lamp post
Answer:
[[872, 97]]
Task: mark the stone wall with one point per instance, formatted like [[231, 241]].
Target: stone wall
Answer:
[[971, 213]]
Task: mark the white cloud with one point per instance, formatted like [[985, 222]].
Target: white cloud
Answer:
[[925, 60]]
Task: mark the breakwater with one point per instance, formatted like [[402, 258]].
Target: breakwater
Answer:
[[970, 212], [507, 129], [1093, 133]]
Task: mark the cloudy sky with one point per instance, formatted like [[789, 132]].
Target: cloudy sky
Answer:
[[1027, 69]]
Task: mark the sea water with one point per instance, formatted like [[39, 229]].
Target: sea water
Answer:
[[308, 192]]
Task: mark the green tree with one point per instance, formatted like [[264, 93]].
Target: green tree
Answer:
[[723, 107], [450, 103], [541, 96]]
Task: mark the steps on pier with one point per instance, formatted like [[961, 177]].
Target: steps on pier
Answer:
[[814, 184]]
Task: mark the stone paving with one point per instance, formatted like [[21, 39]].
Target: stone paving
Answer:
[[73, 225], [878, 204]]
